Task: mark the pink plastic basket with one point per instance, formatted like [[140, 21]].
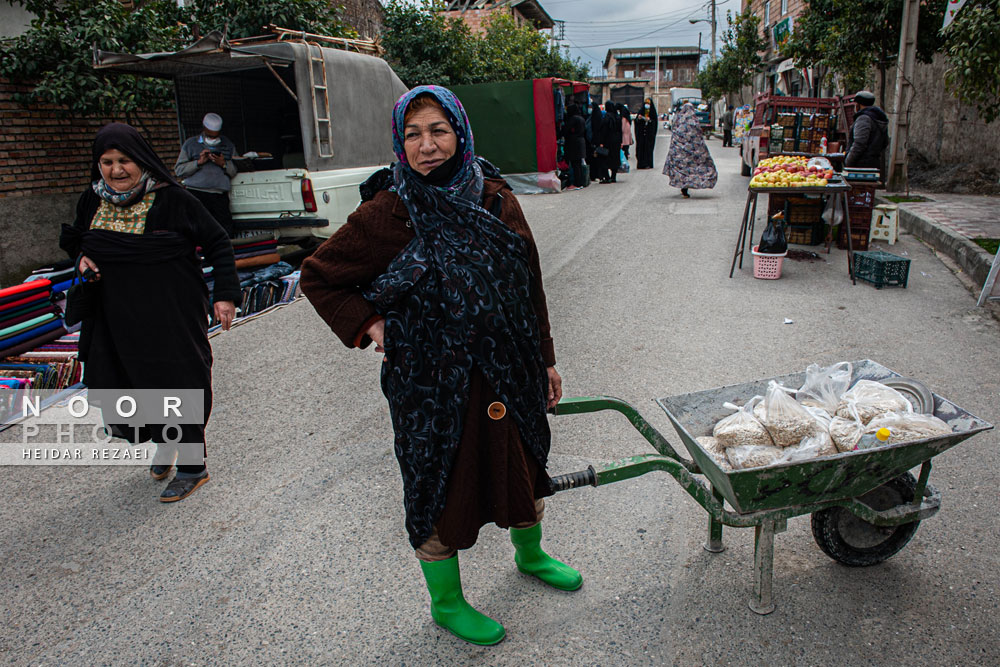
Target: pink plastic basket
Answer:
[[767, 267]]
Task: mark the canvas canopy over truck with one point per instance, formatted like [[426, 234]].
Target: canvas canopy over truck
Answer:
[[515, 127], [309, 114]]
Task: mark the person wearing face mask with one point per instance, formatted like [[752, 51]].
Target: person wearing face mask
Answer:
[[438, 267], [646, 127], [205, 167]]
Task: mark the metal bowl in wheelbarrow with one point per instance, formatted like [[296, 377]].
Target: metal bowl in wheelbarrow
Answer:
[[845, 475]]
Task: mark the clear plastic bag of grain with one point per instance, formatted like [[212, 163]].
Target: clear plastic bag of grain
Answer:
[[753, 456], [816, 445], [871, 399], [786, 420], [741, 429], [718, 453], [824, 386], [846, 431], [908, 426]]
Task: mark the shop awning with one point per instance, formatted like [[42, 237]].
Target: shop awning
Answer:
[[785, 66]]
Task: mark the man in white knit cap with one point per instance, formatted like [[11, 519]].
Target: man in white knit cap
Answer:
[[205, 167]]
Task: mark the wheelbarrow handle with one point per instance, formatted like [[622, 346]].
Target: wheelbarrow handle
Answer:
[[575, 480], [580, 404]]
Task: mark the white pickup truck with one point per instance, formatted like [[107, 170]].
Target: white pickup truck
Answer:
[[311, 121]]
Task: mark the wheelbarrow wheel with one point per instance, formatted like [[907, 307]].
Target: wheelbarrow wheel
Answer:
[[849, 540]]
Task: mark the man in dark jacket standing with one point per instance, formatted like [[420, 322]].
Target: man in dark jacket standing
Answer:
[[576, 143], [869, 135], [727, 127]]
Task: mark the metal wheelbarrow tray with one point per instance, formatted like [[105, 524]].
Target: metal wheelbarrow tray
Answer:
[[865, 505]]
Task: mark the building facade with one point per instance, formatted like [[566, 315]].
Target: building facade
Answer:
[[777, 22], [633, 74], [477, 13]]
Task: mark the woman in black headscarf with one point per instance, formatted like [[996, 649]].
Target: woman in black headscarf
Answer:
[[595, 131], [442, 273], [611, 140], [576, 143], [646, 126], [137, 229]]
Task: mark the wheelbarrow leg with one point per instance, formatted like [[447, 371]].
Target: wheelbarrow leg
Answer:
[[714, 544], [763, 567]]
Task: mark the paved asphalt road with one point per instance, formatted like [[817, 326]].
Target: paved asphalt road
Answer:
[[295, 553]]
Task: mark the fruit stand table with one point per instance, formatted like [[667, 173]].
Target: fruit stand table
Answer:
[[836, 189]]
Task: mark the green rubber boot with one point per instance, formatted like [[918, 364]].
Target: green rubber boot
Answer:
[[530, 559], [449, 608]]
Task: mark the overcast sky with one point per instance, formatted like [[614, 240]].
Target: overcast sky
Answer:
[[594, 26]]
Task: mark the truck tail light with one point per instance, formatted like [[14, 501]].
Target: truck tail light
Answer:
[[308, 198]]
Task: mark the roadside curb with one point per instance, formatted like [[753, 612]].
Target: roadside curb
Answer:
[[969, 256]]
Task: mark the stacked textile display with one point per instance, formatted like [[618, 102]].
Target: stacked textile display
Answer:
[[264, 288], [28, 317], [254, 251]]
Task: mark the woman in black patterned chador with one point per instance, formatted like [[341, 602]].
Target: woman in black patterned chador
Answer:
[[439, 268]]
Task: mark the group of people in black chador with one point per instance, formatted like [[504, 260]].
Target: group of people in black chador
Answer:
[[603, 138]]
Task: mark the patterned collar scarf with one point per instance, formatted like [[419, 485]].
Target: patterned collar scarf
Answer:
[[456, 301], [105, 192]]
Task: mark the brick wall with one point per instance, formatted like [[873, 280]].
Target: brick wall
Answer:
[[477, 19], [44, 152], [44, 166]]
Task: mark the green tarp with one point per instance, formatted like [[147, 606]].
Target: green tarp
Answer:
[[503, 123]]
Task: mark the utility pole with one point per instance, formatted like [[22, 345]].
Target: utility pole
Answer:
[[713, 30], [896, 180], [656, 74]]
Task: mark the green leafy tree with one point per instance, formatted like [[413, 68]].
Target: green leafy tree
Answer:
[[739, 59], [247, 18], [851, 38], [54, 54], [425, 47], [973, 51]]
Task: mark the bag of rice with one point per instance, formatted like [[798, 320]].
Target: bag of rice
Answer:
[[786, 421], [871, 399], [845, 433], [741, 428], [908, 426], [818, 444], [753, 456], [715, 450], [824, 386]]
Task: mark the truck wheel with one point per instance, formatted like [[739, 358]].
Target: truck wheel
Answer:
[[744, 167], [848, 540]]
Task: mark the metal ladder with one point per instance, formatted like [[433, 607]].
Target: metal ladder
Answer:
[[320, 101]]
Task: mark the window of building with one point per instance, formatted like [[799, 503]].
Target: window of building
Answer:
[[767, 13], [629, 74], [784, 7]]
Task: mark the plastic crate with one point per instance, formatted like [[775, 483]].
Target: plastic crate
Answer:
[[861, 196], [881, 268], [804, 234], [859, 238]]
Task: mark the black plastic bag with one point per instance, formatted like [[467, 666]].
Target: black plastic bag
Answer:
[[772, 241]]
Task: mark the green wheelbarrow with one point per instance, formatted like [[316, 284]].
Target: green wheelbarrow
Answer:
[[865, 505]]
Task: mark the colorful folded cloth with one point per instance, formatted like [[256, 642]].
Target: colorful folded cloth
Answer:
[[4, 323], [32, 299], [37, 308], [51, 331], [17, 329], [261, 260], [255, 253], [16, 293], [247, 240], [243, 247]]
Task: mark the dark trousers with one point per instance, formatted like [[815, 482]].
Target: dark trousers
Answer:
[[217, 204], [727, 138], [625, 149]]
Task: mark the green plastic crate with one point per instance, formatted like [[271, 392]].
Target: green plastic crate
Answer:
[[881, 268]]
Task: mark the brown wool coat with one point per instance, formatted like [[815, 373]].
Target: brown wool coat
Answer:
[[493, 479]]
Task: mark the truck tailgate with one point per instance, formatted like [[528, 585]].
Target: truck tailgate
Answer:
[[263, 193]]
